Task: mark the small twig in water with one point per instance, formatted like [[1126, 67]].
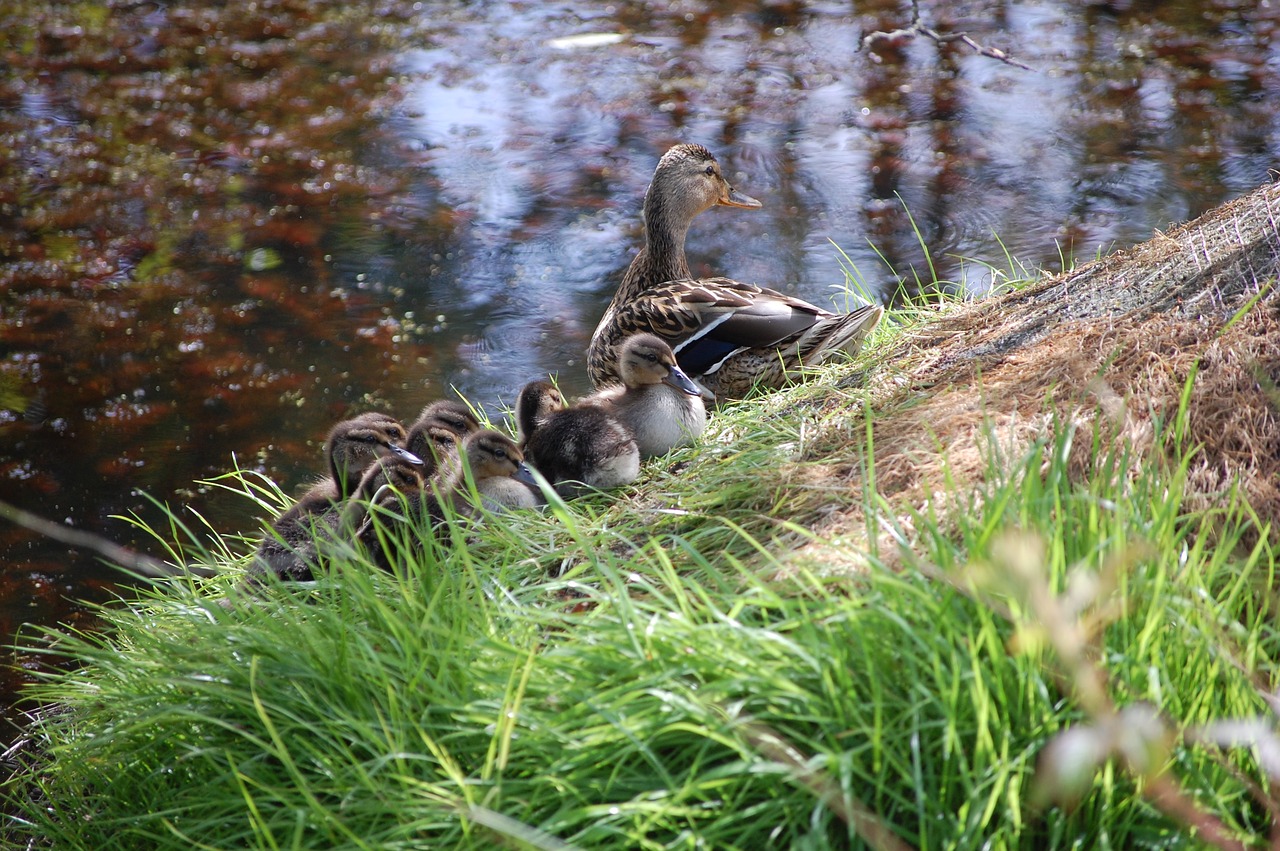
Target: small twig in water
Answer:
[[143, 565], [918, 27]]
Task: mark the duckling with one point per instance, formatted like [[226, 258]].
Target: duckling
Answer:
[[535, 404], [660, 404], [382, 484], [429, 434], [439, 430], [486, 455], [389, 496], [727, 335], [496, 466], [501, 493], [574, 448], [351, 447]]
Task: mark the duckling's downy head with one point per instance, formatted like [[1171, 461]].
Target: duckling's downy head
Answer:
[[451, 415], [491, 454], [537, 401], [356, 443], [440, 428], [647, 359], [688, 181], [393, 471], [384, 483]]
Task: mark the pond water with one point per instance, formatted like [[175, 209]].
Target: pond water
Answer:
[[224, 229]]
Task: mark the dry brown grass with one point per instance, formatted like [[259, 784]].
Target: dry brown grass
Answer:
[[1107, 348]]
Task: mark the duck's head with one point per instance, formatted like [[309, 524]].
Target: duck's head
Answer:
[[537, 401], [356, 443], [491, 454], [394, 471], [438, 444], [440, 427], [383, 483], [687, 182], [647, 359], [402, 476]]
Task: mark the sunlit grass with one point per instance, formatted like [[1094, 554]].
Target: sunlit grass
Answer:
[[667, 668]]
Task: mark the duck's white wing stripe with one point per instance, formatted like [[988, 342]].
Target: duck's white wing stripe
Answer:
[[711, 369], [705, 330]]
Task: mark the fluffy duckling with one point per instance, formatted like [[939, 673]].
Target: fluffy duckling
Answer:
[[535, 404], [484, 455], [388, 499], [500, 493], [496, 465], [660, 404], [574, 448], [382, 486], [439, 429], [728, 335], [352, 447]]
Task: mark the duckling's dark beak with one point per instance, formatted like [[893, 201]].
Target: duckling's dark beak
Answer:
[[737, 199], [677, 379], [404, 455], [525, 476]]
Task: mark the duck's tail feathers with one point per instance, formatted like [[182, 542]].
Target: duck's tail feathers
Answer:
[[773, 366], [841, 332]]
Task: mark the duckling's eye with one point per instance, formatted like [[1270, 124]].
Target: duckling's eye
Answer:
[[500, 453], [710, 170], [651, 358]]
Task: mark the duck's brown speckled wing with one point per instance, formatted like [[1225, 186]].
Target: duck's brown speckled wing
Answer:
[[708, 320]]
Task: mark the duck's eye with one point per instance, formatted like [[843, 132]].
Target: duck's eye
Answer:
[[651, 358], [710, 170], [500, 453]]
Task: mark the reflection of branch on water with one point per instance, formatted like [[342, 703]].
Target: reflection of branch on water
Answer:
[[143, 565], [918, 27]]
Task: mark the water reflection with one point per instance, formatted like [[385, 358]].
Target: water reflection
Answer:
[[226, 228]]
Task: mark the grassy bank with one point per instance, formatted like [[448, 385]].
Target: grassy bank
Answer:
[[764, 644]]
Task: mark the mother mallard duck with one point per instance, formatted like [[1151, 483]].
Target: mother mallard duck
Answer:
[[727, 335]]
